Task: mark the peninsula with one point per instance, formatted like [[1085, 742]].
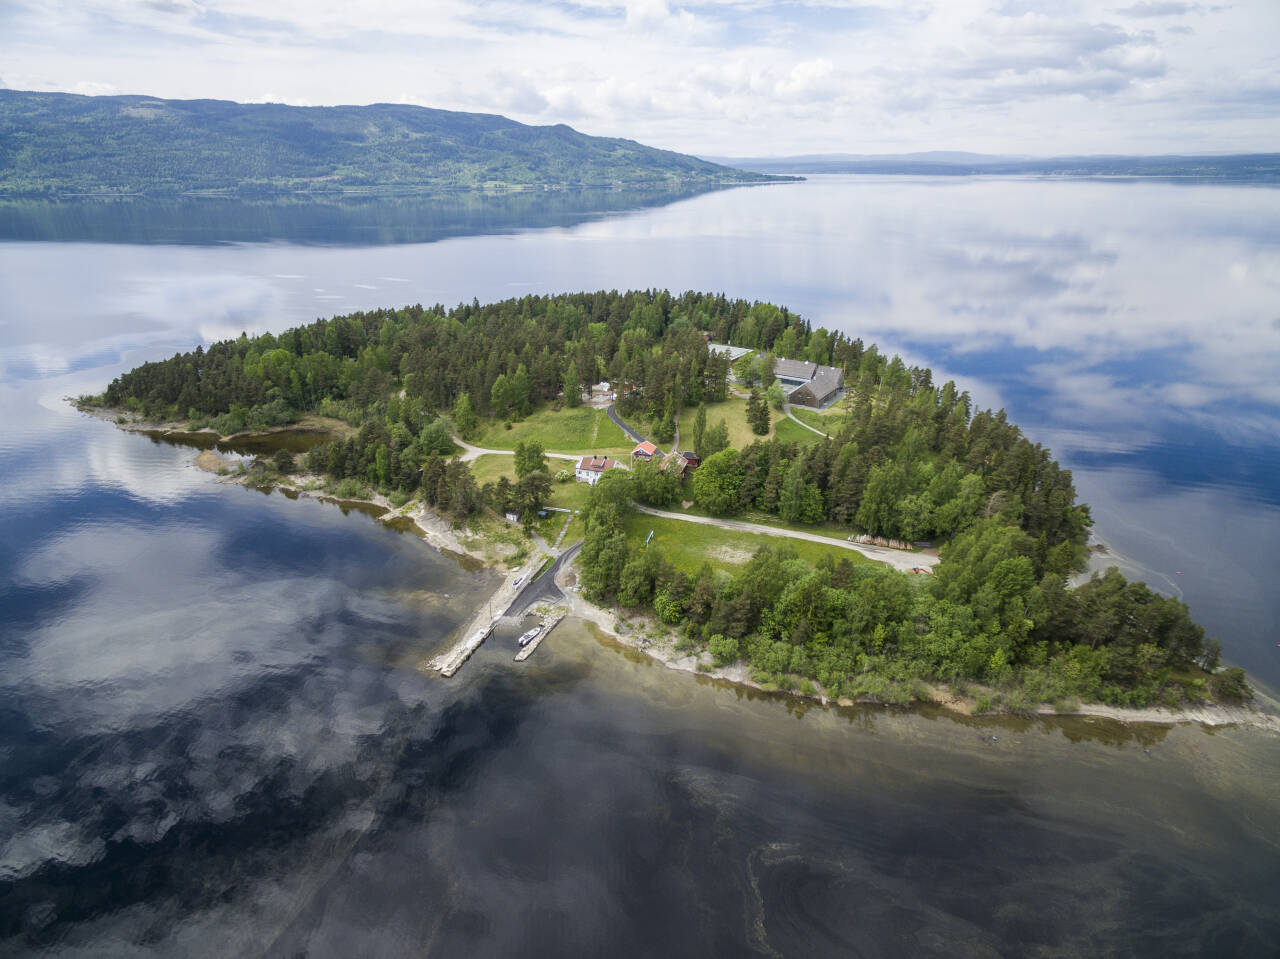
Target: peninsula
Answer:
[[741, 523]]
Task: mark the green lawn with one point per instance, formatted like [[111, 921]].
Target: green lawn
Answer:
[[571, 495], [827, 422], [579, 430], [491, 466], [833, 530], [734, 413], [688, 545], [790, 431]]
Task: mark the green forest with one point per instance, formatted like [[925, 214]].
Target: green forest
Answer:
[[53, 143], [908, 459]]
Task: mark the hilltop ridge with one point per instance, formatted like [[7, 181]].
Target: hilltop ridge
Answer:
[[52, 143]]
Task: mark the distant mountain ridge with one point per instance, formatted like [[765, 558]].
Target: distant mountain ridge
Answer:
[[1246, 166], [59, 143]]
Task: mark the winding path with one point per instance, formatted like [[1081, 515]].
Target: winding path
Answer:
[[471, 453], [786, 408], [902, 559], [622, 424]]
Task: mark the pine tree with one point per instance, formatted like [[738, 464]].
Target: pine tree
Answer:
[[758, 413], [699, 428], [464, 416], [572, 385]]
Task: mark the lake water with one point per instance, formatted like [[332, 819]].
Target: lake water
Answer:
[[215, 740]]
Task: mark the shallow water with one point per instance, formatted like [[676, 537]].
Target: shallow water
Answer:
[[215, 739]]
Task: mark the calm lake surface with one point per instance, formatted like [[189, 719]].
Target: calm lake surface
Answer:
[[214, 740]]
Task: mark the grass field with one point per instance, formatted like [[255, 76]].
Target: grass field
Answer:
[[580, 430], [688, 545], [790, 431], [826, 422], [490, 467], [734, 413]]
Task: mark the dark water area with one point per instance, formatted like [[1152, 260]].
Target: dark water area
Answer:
[[336, 220], [252, 444], [216, 738]]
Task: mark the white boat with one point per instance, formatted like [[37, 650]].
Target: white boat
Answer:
[[527, 637]]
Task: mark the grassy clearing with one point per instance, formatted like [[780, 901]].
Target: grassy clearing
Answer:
[[570, 495], [734, 413], [827, 422], [833, 530], [791, 432], [580, 430], [490, 467], [688, 545]]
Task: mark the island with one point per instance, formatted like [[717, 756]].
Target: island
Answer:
[[775, 503]]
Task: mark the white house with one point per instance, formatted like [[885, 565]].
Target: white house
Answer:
[[591, 468]]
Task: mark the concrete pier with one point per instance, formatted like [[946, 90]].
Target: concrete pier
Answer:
[[477, 631], [548, 624]]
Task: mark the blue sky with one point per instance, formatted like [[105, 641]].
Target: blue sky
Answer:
[[738, 77]]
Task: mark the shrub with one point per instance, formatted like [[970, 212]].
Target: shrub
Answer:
[[283, 462], [669, 608], [983, 704], [724, 649], [351, 488], [1230, 684]]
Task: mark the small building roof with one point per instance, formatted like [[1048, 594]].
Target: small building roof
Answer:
[[596, 464], [794, 370], [734, 353], [826, 381], [679, 460], [647, 448]]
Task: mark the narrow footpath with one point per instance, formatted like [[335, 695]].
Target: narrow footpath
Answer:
[[471, 453], [903, 559], [786, 408]]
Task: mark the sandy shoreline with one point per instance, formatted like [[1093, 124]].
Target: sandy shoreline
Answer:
[[437, 531], [635, 632]]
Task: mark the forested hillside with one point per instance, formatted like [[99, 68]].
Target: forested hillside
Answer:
[[54, 143], [909, 459]]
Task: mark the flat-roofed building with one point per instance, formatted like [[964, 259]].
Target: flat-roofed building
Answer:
[[732, 353]]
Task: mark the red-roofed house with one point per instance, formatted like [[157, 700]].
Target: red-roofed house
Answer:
[[591, 468], [645, 451], [681, 463]]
